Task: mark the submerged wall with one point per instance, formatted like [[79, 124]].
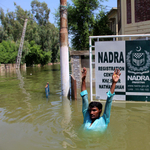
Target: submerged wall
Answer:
[[80, 59], [10, 67]]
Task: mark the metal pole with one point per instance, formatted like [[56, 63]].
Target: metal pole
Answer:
[[64, 58], [115, 36], [90, 51]]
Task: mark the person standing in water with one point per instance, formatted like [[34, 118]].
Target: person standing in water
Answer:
[[91, 112]]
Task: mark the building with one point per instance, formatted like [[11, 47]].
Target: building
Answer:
[[132, 17], [113, 20]]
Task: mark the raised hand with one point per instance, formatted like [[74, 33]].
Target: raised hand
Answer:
[[84, 73], [116, 76]]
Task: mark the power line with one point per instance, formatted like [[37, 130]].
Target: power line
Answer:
[[5, 6], [20, 17]]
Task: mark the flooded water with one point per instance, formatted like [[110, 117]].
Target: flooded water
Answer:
[[30, 121]]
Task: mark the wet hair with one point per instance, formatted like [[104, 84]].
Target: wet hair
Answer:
[[96, 104]]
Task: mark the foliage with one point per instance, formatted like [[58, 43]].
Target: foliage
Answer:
[[25, 51], [44, 34], [82, 22], [41, 12], [13, 22], [101, 25], [57, 15], [3, 34], [8, 52], [36, 55]]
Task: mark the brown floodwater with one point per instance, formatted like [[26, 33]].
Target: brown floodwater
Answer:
[[30, 121]]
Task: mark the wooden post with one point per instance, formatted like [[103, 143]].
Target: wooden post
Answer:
[[73, 88]]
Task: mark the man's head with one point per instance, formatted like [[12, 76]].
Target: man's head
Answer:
[[95, 109]]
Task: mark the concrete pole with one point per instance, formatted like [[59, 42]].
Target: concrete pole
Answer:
[[21, 45], [64, 55]]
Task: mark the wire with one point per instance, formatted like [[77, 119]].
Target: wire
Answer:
[[11, 10], [21, 17], [5, 6]]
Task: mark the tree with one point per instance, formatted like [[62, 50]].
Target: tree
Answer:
[[3, 34], [101, 25], [48, 34], [40, 12], [55, 44], [32, 32], [44, 34], [81, 21], [8, 52], [13, 22], [36, 55]]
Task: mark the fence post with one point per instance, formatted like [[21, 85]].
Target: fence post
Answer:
[[73, 88]]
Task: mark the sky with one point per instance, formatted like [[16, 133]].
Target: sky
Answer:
[[52, 4]]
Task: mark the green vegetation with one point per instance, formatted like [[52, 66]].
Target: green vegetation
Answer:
[[41, 43], [101, 25], [83, 22], [8, 52], [36, 55]]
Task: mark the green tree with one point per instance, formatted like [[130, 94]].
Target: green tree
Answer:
[[39, 29], [101, 25], [81, 21], [40, 11], [8, 52], [48, 34], [3, 34], [36, 55], [32, 32], [13, 22], [25, 51]]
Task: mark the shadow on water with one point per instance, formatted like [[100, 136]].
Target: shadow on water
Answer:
[[29, 120]]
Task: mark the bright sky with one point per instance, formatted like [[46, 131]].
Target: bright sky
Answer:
[[52, 4]]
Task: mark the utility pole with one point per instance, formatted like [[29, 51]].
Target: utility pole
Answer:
[[21, 45], [64, 54]]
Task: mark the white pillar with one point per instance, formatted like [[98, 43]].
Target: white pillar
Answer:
[[64, 54], [64, 63]]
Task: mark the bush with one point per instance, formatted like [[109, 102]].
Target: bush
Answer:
[[36, 55], [8, 52]]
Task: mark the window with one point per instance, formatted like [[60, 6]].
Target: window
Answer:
[[142, 10], [119, 15], [128, 3]]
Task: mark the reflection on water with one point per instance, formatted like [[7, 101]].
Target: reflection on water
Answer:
[[28, 120], [21, 85]]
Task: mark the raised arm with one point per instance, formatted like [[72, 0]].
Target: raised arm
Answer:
[[84, 93], [115, 78], [83, 84]]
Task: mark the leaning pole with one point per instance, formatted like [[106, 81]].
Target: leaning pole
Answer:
[[64, 54]]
